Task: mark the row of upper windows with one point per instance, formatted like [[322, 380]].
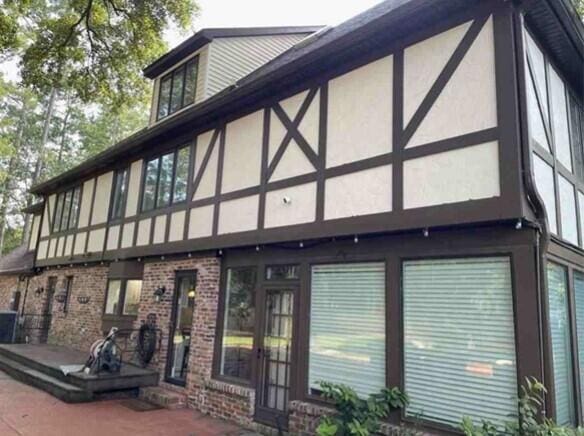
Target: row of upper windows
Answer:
[[178, 88], [165, 182]]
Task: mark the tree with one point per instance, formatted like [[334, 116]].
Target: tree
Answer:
[[579, 4], [97, 48]]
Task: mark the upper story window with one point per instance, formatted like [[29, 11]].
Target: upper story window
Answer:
[[178, 88], [165, 180], [120, 192], [67, 210]]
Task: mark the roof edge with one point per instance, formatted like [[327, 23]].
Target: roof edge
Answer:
[[206, 35]]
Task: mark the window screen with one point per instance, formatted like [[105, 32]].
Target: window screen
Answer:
[[347, 326], [544, 181], [561, 344], [579, 300], [459, 340], [568, 210]]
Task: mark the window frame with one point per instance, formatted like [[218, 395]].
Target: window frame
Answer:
[[570, 268], [170, 75], [68, 282], [114, 193], [72, 218], [175, 152], [121, 298]]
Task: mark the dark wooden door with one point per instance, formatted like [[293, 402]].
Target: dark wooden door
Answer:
[[275, 356]]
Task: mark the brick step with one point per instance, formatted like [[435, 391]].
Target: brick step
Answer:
[[163, 397], [64, 391]]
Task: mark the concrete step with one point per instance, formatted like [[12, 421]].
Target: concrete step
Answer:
[[34, 364], [64, 391], [163, 397]]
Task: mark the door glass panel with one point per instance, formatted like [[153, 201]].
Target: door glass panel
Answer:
[[181, 333], [277, 350], [239, 323], [282, 272]]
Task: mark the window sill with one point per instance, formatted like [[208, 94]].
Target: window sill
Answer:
[[122, 322], [230, 388]]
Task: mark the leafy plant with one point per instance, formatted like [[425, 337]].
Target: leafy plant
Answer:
[[528, 422], [356, 415]]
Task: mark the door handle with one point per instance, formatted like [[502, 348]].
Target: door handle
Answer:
[[259, 352]]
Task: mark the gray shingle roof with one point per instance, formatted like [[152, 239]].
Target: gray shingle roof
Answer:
[[19, 260]]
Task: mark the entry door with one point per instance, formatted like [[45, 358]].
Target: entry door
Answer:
[[275, 357], [180, 330]]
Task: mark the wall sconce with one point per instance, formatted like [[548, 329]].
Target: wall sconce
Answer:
[[159, 292], [39, 291], [83, 299], [60, 298]]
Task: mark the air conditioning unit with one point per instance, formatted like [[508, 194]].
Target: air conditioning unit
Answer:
[[8, 320]]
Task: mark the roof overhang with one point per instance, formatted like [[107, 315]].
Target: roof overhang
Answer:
[[204, 36], [34, 208]]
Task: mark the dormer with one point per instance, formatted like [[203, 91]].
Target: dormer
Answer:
[[212, 60]]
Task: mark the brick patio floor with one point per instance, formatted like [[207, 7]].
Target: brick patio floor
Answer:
[[25, 410]]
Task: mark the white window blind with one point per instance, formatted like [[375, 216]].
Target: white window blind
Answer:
[[347, 326], [579, 298], [561, 347], [459, 341]]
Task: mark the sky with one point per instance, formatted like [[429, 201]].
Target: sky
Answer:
[[246, 13]]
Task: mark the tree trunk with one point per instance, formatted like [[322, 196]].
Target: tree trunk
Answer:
[[39, 164]]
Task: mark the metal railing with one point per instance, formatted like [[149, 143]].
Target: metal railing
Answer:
[[139, 346], [33, 328]]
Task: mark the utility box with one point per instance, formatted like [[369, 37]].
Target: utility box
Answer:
[[8, 321]]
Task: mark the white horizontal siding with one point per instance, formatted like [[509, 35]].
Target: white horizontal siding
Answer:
[[233, 58]]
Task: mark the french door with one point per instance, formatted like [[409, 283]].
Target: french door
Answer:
[[274, 355], [180, 328]]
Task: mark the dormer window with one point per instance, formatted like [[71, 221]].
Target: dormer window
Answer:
[[178, 88]]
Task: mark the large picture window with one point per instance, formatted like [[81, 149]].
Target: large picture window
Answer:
[[459, 341], [579, 301], [557, 277], [347, 326], [238, 323], [165, 179], [178, 88], [66, 210], [123, 297]]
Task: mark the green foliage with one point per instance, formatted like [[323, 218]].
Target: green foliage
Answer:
[[355, 415], [96, 48], [528, 422], [579, 4]]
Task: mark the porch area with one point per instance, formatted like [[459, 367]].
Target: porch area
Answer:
[[40, 365]]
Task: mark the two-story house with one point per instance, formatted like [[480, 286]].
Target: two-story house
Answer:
[[394, 201]]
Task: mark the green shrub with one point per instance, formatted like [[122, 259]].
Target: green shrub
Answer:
[[355, 415], [528, 422]]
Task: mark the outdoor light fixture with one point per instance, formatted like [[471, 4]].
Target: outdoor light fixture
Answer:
[[159, 292], [60, 298], [426, 232], [39, 291], [192, 293], [519, 225]]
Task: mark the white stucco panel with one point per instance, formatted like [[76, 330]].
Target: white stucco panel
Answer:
[[143, 237], [159, 229], [96, 240], [113, 238], [128, 235], [467, 174], [134, 188], [201, 222], [86, 197], [239, 215], [361, 193], [52, 247], [69, 245], [468, 102], [203, 141], [423, 62], [293, 163], [290, 206], [34, 232], [80, 239], [309, 125], [360, 113], [243, 152], [42, 251], [60, 246], [48, 215], [177, 226], [103, 192], [208, 182]]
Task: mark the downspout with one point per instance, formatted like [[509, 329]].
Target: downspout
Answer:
[[535, 201]]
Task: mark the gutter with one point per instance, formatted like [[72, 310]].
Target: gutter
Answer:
[[535, 201]]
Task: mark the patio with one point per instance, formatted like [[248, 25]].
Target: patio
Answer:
[[25, 410]]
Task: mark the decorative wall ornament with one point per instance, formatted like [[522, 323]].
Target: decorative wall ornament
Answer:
[[159, 292], [83, 299], [39, 291], [60, 298]]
